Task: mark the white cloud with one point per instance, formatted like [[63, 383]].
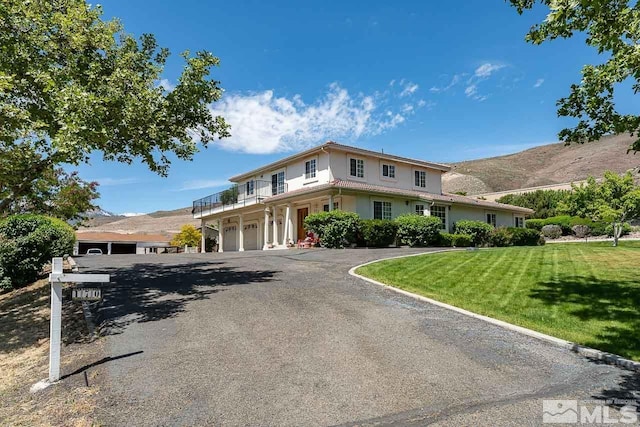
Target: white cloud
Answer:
[[471, 90], [409, 89], [454, 81], [538, 83], [428, 104], [264, 123], [199, 184], [166, 85], [407, 108], [485, 70], [132, 214], [392, 82]]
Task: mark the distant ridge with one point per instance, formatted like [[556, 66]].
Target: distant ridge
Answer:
[[544, 165]]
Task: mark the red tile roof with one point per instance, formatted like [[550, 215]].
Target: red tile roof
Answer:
[[363, 186]]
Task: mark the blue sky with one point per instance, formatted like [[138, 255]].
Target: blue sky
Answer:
[[440, 81]]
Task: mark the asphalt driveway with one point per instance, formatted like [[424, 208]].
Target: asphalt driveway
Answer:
[[289, 338]]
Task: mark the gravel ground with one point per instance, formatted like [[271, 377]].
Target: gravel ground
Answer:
[[289, 338]]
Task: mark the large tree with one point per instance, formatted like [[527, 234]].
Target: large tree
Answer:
[[612, 27], [615, 200], [72, 84]]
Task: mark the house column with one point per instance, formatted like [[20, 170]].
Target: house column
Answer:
[[221, 235], [266, 229], [287, 225], [330, 202], [427, 209], [241, 233], [275, 226], [203, 239], [109, 248], [290, 223], [447, 211]]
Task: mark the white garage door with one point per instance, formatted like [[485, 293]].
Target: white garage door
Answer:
[[229, 243], [251, 236]]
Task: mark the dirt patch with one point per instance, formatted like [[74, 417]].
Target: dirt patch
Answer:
[[24, 353]]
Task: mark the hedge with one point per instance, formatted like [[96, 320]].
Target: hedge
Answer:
[[377, 233], [335, 229], [418, 230], [27, 243], [515, 236], [478, 230], [567, 223], [454, 240]]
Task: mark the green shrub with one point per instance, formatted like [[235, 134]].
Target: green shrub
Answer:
[[552, 231], [478, 230], [535, 224], [500, 237], [462, 240], [445, 239], [525, 237], [27, 243], [335, 229], [377, 233], [418, 230]]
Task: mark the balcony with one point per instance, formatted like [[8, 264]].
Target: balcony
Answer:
[[237, 196]]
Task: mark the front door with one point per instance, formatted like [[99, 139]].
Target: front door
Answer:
[[302, 214]]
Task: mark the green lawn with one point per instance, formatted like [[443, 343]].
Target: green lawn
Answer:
[[585, 293]]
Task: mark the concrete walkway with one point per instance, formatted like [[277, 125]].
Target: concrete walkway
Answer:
[[289, 338]]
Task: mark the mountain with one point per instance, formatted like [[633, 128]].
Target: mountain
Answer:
[[544, 165], [162, 222]]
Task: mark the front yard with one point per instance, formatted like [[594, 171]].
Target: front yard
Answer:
[[585, 293]]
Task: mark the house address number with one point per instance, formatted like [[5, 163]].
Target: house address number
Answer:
[[87, 294]]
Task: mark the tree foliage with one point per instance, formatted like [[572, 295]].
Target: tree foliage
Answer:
[[72, 84], [543, 202], [612, 27], [614, 200], [189, 235]]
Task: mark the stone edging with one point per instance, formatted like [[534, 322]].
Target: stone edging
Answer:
[[610, 358]]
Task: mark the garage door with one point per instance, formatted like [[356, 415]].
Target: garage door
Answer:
[[229, 236], [251, 236]]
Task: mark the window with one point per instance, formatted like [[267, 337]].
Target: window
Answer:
[[336, 206], [519, 221], [491, 219], [277, 183], [440, 212], [381, 210], [420, 209], [250, 187], [356, 168], [388, 171], [420, 179], [310, 169]]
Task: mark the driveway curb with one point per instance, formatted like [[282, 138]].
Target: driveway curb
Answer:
[[591, 353]]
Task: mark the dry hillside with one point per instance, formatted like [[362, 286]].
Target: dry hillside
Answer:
[[548, 164], [163, 222]]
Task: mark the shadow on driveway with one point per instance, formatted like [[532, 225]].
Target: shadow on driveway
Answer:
[[148, 292]]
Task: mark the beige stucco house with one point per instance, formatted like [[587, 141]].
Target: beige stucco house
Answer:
[[266, 206]]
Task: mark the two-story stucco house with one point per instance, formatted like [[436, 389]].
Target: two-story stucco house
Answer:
[[266, 206]]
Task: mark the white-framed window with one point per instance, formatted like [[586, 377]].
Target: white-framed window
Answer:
[[519, 221], [356, 167], [420, 179], [277, 183], [419, 209], [440, 212], [336, 206], [250, 188], [388, 171], [310, 169], [491, 218], [381, 210]]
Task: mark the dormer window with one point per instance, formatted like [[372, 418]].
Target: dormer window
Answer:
[[420, 179], [356, 168], [310, 169], [250, 186], [388, 171]]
